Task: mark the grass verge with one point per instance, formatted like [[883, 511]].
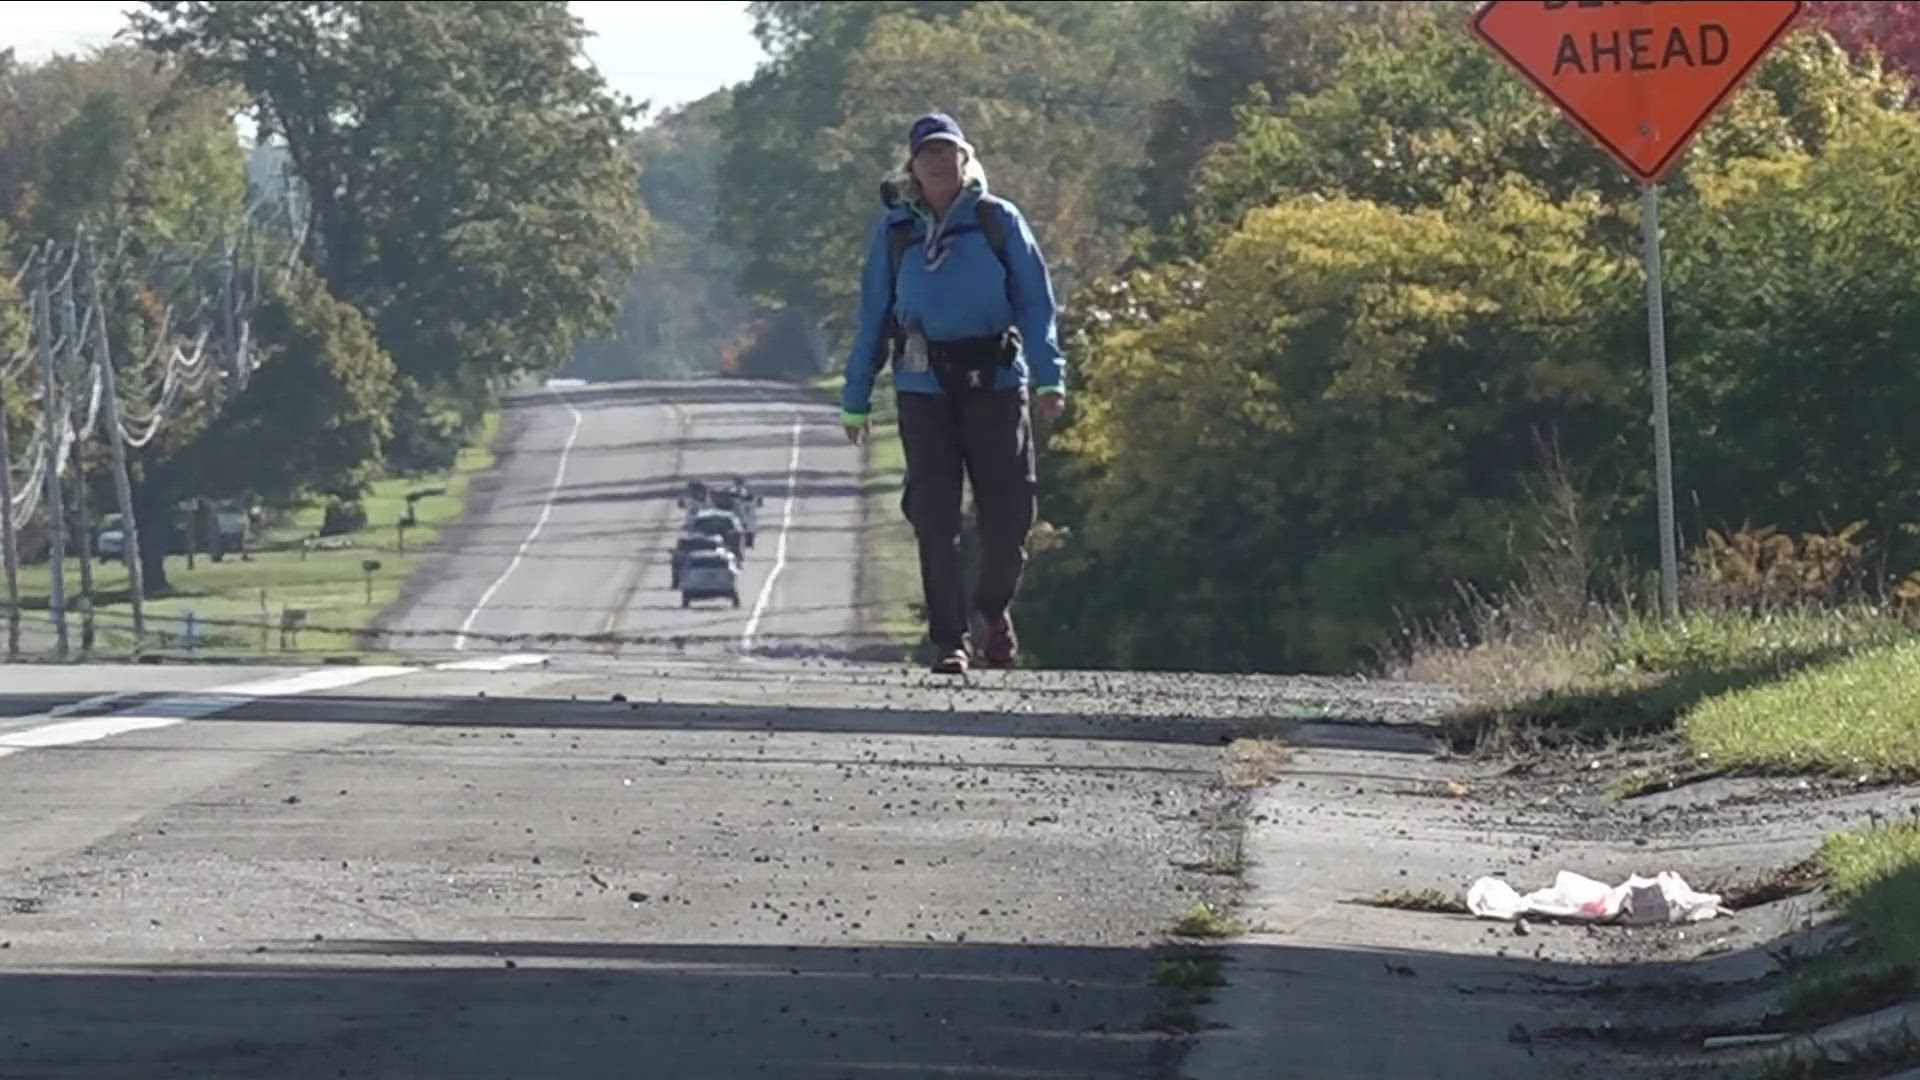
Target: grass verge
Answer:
[[1876, 875], [1714, 677], [1859, 716], [238, 603], [889, 584]]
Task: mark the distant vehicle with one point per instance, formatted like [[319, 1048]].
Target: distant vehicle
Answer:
[[710, 575], [742, 505], [737, 500], [688, 545], [232, 528], [110, 542], [721, 523]]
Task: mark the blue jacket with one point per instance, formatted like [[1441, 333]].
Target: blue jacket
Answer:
[[963, 295]]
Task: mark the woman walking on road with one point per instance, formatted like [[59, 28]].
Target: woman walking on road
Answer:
[[955, 294]]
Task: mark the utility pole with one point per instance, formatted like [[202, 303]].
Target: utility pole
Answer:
[[122, 486], [52, 410], [70, 368], [8, 555]]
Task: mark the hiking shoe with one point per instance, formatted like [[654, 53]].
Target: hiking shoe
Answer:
[[951, 662], [1003, 645]]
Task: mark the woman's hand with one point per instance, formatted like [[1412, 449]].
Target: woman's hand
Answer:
[[855, 432], [1052, 404]]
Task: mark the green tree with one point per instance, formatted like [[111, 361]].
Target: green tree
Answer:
[[1403, 121], [1795, 378], [1332, 419], [1055, 96], [681, 309], [311, 420], [470, 180], [1285, 50], [115, 144], [1400, 292]]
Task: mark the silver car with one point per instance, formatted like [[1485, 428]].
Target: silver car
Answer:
[[710, 575]]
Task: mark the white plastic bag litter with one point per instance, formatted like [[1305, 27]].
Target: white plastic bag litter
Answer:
[[1663, 898]]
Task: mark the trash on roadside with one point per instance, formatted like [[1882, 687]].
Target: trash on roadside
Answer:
[[1663, 898]]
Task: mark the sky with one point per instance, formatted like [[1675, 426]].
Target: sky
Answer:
[[668, 52]]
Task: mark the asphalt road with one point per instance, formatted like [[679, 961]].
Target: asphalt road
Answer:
[[568, 550], [759, 873], [603, 836], [588, 833]]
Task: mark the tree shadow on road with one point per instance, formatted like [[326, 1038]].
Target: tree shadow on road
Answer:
[[301, 1008], [996, 706]]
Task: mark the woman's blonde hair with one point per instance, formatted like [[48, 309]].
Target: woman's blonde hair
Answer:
[[908, 186]]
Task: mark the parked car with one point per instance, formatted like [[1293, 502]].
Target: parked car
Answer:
[[710, 575]]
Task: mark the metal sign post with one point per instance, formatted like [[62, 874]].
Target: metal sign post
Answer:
[[1662, 429]]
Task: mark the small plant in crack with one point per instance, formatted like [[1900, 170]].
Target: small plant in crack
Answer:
[[1199, 970], [1187, 980], [1202, 921], [1428, 900]]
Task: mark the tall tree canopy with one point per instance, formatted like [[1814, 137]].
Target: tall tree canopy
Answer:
[[468, 176]]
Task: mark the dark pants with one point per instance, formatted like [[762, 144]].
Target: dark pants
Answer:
[[986, 436]]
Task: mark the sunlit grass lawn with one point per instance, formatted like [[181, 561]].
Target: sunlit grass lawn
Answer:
[[238, 604]]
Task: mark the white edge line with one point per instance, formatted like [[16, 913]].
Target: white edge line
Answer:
[[493, 663], [546, 511], [780, 552], [189, 705]]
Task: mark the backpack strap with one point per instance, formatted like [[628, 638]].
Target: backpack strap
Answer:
[[899, 238], [993, 223]]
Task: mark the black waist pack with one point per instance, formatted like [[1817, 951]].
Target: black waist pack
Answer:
[[971, 364]]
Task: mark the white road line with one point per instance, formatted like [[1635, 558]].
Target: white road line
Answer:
[[780, 551], [176, 708], [493, 663], [546, 511]]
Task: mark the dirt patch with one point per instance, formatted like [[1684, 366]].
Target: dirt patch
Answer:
[[1253, 762], [1740, 893]]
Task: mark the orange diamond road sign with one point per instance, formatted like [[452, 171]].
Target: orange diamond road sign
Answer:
[[1641, 77]]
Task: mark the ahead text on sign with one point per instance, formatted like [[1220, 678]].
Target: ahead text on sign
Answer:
[[1642, 49]]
